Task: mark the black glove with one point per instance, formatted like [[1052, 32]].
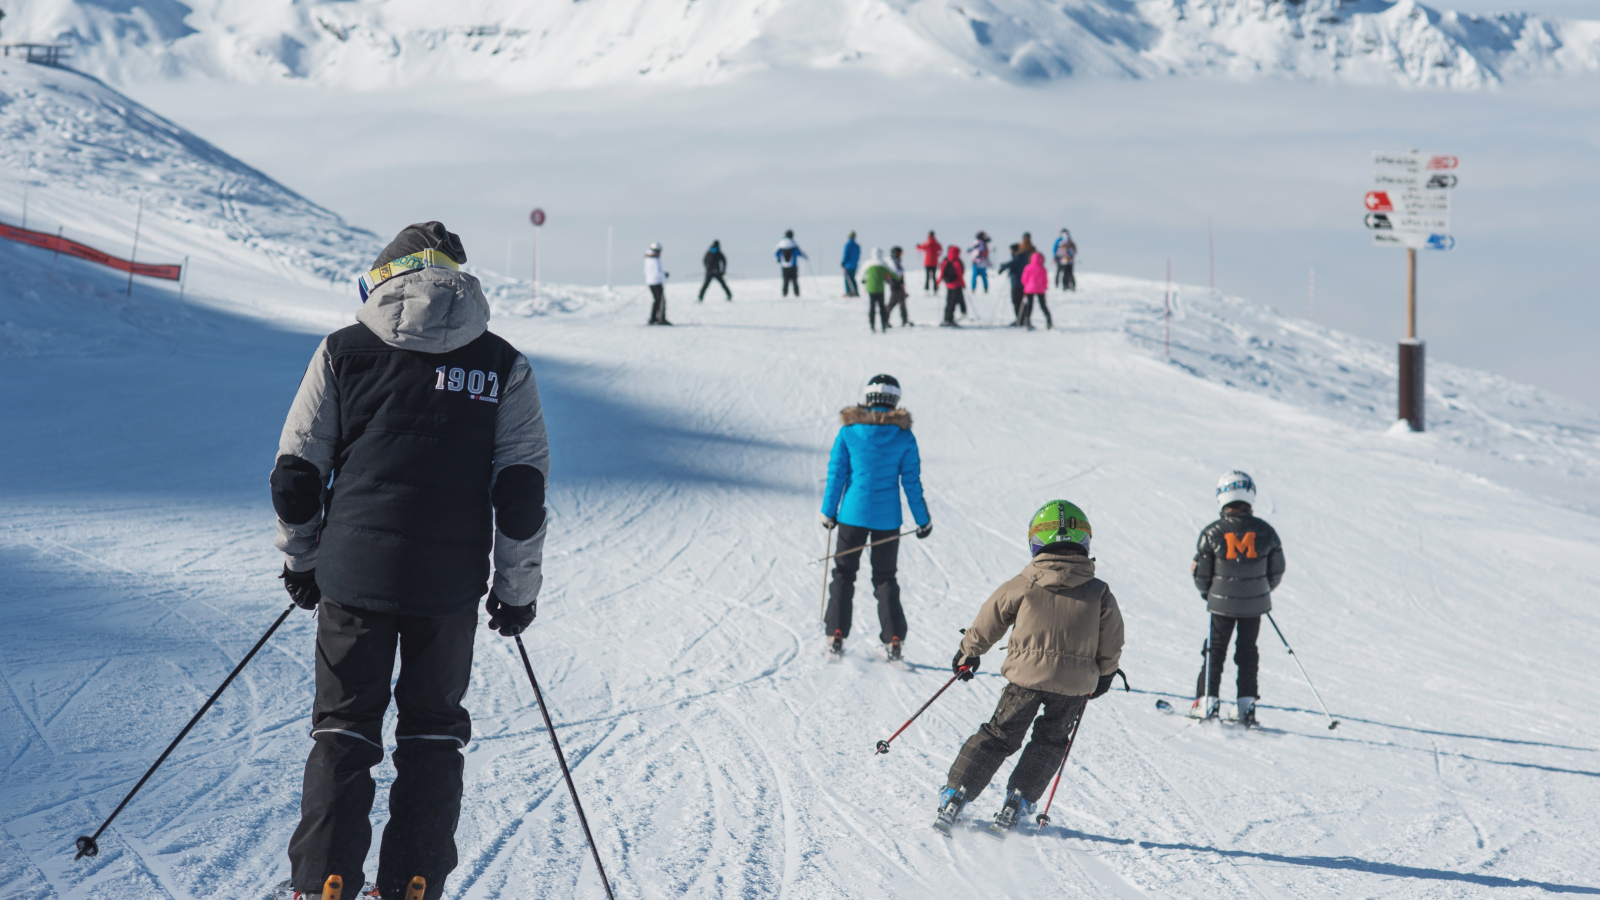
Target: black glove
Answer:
[[1103, 686], [507, 619], [302, 587], [971, 662], [924, 530], [829, 522]]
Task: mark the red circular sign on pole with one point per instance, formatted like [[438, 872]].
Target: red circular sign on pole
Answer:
[[536, 217]]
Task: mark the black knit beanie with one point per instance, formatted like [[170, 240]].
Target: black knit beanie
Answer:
[[422, 236]]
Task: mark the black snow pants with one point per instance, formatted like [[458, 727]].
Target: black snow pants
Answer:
[[1001, 736], [877, 312], [1016, 304], [952, 299], [1245, 655], [930, 278], [658, 306], [718, 279], [1068, 280], [841, 594], [355, 660], [1026, 316], [897, 297], [791, 275]]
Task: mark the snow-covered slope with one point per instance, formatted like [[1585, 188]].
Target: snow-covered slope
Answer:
[[90, 156], [556, 43], [1446, 615]]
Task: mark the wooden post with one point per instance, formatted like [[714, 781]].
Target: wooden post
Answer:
[[138, 220], [1412, 354], [1411, 293]]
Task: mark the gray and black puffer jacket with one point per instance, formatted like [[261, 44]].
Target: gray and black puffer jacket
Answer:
[[1237, 564], [415, 448]]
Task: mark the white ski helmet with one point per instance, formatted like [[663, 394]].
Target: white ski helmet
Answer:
[[882, 390], [1236, 487]]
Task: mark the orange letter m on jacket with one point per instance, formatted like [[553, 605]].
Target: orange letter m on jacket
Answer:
[[1245, 544]]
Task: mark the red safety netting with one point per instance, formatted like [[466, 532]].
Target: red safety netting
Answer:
[[84, 251]]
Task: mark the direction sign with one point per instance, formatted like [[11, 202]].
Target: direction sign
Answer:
[[1416, 240], [1379, 221], [1407, 201], [536, 217]]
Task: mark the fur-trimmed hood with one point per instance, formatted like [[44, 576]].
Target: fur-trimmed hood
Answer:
[[866, 415]]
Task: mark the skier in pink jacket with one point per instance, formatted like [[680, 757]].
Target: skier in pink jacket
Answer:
[[1035, 281]]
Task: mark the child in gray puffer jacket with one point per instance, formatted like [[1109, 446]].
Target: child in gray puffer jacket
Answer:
[[1238, 563]]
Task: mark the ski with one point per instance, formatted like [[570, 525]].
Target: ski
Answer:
[[1171, 710]]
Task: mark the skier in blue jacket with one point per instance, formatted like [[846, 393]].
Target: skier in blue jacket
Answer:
[[874, 455], [850, 262]]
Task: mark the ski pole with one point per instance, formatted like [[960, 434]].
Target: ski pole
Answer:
[[864, 546], [883, 746], [822, 610], [1043, 818], [1332, 722], [561, 758], [87, 844]]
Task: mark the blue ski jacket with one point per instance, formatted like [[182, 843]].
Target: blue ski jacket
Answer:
[[874, 456], [852, 254]]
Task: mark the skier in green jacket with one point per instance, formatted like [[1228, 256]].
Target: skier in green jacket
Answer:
[[879, 274]]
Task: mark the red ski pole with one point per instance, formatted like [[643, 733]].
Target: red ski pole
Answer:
[[883, 746], [1044, 817]]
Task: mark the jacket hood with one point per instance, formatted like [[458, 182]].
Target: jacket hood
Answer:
[[429, 311], [1036, 261], [1061, 570], [866, 415], [787, 243], [878, 258], [954, 252]]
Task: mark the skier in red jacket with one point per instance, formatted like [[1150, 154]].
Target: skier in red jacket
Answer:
[[954, 277], [930, 263]]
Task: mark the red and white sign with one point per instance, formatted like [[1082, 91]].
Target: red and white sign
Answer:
[[536, 217], [1378, 201], [1442, 163]]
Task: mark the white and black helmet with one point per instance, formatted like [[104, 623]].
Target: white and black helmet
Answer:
[[1236, 487], [882, 390]]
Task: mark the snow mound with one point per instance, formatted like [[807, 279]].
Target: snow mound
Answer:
[[90, 156], [552, 44]]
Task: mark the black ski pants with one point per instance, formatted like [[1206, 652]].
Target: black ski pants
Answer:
[[842, 592], [791, 275], [1016, 303], [658, 306], [1245, 655], [876, 311], [718, 279], [1026, 316], [953, 298], [1002, 735], [355, 660], [897, 297], [930, 278], [1068, 280]]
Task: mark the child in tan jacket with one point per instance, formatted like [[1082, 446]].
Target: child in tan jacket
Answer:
[[1063, 653]]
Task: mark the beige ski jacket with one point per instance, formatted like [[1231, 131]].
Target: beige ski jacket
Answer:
[[1068, 627]]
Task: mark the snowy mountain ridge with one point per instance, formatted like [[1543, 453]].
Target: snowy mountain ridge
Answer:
[[551, 44]]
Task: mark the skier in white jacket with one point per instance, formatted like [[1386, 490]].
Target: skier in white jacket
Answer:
[[656, 278]]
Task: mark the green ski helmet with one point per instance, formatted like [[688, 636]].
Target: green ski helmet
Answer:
[[1055, 522]]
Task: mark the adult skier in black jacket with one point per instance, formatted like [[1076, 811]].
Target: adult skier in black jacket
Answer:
[[415, 449], [1013, 267], [1238, 563], [715, 265]]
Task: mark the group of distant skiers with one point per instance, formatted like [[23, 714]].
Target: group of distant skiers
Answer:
[[409, 485], [1066, 628], [886, 275]]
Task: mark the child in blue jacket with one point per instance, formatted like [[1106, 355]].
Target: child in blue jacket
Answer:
[[874, 455]]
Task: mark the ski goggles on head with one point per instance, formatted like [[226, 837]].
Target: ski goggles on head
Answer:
[[411, 262]]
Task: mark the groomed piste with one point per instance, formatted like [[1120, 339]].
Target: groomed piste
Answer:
[[1440, 589]]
